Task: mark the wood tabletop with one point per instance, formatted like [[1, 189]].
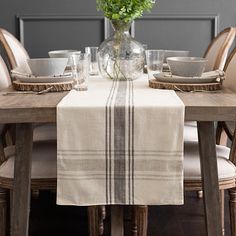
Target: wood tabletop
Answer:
[[30, 108], [201, 106]]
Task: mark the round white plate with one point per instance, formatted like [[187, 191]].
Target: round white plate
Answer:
[[163, 77], [44, 79]]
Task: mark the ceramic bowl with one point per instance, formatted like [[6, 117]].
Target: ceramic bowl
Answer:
[[175, 53], [47, 66], [187, 66], [62, 53]]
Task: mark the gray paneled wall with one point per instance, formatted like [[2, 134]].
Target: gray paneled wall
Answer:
[[40, 34], [73, 24]]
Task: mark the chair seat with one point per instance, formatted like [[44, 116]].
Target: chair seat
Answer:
[[44, 131], [190, 131], [44, 161], [192, 171]]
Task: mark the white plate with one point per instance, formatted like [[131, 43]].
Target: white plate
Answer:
[[45, 79], [23, 76], [166, 77]]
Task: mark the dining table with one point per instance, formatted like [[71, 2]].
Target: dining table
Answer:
[[26, 109]]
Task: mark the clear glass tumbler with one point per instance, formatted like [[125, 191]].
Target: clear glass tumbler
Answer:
[[93, 52], [155, 60], [80, 70]]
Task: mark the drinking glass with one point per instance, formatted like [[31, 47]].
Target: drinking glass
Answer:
[[155, 60], [93, 52], [80, 70]]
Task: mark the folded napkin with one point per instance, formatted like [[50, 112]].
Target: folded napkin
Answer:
[[120, 142]]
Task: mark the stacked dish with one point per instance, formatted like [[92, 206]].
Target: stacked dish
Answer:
[[43, 70]]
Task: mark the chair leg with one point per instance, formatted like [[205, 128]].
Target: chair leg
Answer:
[[3, 212], [35, 193], [96, 215], [222, 197], [232, 207], [222, 203], [139, 221], [101, 217], [200, 194]]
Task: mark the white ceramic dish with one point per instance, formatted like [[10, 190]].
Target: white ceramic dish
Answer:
[[46, 79], [175, 53], [186, 66], [167, 77], [26, 77], [62, 53], [47, 66]]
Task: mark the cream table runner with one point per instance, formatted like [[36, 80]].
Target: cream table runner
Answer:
[[120, 142]]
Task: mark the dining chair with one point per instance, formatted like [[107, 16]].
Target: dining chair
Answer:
[[224, 130], [15, 52], [226, 160], [17, 56], [216, 55], [43, 173]]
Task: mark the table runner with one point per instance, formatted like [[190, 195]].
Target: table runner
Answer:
[[120, 142]]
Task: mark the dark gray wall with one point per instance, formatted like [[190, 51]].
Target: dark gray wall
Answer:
[[44, 25]]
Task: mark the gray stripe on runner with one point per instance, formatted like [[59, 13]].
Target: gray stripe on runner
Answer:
[[108, 142], [119, 143]]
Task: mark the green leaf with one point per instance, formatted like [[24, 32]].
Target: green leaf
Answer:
[[125, 10]]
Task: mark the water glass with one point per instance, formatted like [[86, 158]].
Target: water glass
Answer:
[[80, 70], [93, 52], [155, 60]]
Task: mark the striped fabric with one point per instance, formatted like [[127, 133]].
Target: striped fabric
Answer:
[[120, 142]]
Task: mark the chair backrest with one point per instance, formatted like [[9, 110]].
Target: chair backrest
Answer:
[[5, 79], [15, 52], [218, 49], [230, 71], [228, 127]]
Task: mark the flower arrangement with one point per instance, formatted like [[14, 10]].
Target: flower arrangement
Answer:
[[120, 56], [125, 10]]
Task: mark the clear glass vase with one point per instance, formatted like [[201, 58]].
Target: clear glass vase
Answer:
[[121, 56]]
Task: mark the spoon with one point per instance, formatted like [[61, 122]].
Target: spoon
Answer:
[[28, 92]]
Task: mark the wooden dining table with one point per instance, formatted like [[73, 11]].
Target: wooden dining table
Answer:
[[25, 110]]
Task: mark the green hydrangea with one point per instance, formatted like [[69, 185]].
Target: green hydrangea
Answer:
[[126, 10]]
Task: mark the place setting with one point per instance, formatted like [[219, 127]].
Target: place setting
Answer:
[[174, 70]]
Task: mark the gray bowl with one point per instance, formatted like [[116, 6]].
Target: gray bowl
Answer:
[[187, 66], [47, 66], [175, 53], [63, 54]]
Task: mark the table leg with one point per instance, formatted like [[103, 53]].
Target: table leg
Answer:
[[209, 174], [22, 176], [117, 225]]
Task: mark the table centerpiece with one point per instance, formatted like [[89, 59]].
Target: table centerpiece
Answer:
[[121, 56]]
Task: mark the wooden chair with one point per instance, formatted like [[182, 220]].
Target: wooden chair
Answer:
[[226, 161], [17, 57], [43, 174], [15, 52], [216, 54], [226, 157], [226, 130], [223, 130]]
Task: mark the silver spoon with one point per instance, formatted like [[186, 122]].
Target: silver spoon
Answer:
[[28, 92]]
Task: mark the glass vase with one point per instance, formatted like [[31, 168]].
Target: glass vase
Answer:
[[121, 56]]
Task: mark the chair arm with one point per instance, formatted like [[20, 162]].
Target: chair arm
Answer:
[[2, 143], [227, 127], [232, 155]]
